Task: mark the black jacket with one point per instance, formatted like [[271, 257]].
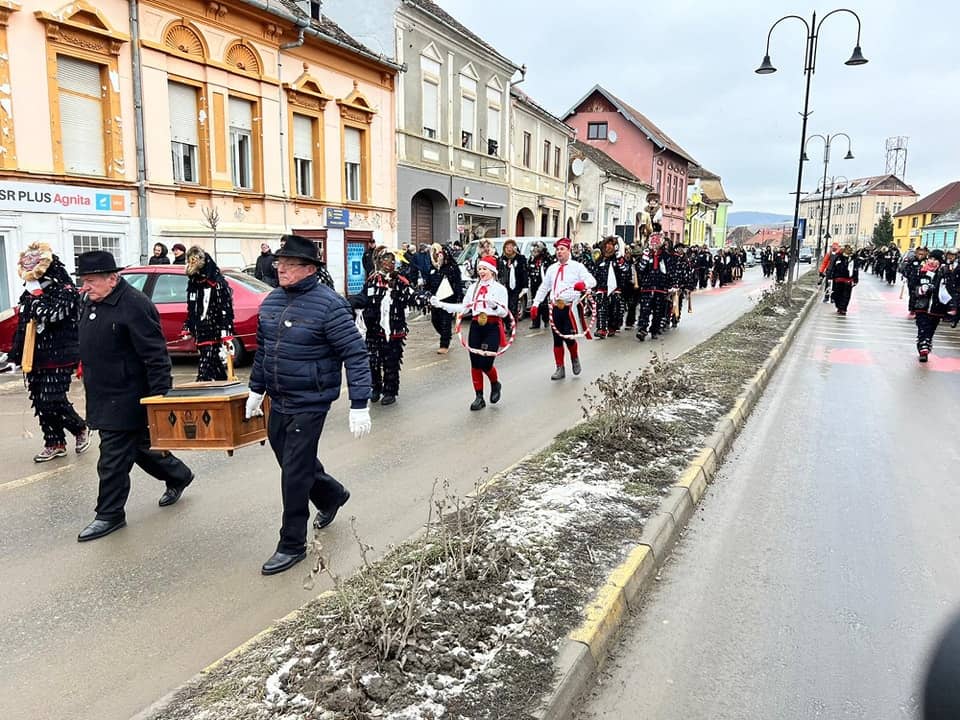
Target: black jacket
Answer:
[[56, 312], [449, 270], [265, 270], [124, 358], [519, 264]]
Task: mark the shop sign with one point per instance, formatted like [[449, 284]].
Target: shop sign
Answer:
[[71, 199], [338, 218]]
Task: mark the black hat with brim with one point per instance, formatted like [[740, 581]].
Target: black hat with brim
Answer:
[[96, 262], [297, 246]]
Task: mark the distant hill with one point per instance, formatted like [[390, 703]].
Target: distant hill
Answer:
[[748, 217]]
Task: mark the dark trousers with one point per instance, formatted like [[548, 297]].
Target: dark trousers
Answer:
[[119, 450], [563, 323], [48, 390], [926, 327], [630, 298], [653, 306], [294, 439], [841, 294], [211, 366], [386, 357], [513, 305], [442, 322]]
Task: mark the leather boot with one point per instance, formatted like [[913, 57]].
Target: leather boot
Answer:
[[559, 373], [575, 363], [478, 403], [495, 393]]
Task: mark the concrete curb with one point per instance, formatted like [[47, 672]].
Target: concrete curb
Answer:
[[586, 648]]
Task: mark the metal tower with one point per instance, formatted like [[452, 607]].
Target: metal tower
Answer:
[[897, 156]]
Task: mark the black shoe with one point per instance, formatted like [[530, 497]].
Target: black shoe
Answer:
[[559, 373], [495, 389], [172, 494], [478, 403], [325, 517], [99, 528], [388, 400], [575, 364], [535, 326], [641, 336], [375, 397], [279, 562]]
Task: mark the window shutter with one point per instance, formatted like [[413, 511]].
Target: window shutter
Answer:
[[493, 123], [79, 76], [241, 114], [81, 116], [183, 113], [351, 146], [468, 114], [431, 102], [302, 137]]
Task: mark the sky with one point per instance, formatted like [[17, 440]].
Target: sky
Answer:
[[689, 66]]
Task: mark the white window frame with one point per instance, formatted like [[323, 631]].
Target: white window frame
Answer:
[[468, 95], [75, 147], [185, 154], [494, 127], [430, 74], [303, 159], [241, 149], [353, 172], [119, 228]]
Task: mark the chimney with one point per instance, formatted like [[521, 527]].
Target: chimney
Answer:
[[310, 8]]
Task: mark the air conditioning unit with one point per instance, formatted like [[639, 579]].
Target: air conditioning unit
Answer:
[[588, 216]]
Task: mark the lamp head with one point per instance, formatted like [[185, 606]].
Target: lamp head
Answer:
[[857, 58], [848, 156], [766, 67], [804, 156]]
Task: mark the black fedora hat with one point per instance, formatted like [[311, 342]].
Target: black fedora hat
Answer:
[[96, 262], [297, 246]]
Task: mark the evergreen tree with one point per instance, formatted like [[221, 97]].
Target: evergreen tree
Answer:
[[883, 231]]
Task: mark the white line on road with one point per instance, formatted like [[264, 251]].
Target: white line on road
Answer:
[[36, 477]]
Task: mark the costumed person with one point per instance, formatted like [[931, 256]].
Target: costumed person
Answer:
[[384, 300], [125, 359], [159, 256], [486, 301], [179, 254], [781, 263], [609, 272], [565, 283], [264, 269], [845, 273], [443, 266], [654, 282], [512, 272], [933, 298], [702, 263], [825, 267], [209, 314], [911, 273], [891, 260], [536, 270], [47, 338], [631, 286]]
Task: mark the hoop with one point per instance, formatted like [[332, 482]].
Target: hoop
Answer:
[[486, 353], [588, 330]]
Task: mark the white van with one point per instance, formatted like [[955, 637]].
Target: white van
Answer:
[[467, 260]]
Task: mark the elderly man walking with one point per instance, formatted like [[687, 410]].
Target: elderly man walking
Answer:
[[305, 336]]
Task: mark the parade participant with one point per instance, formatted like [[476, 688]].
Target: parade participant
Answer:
[[443, 267], [306, 336], [631, 285], [654, 281], [933, 298], [486, 301], [910, 269], [159, 256], [512, 274], [825, 266], [49, 311], [702, 263], [384, 300], [124, 357], [845, 273], [264, 269], [781, 263], [565, 282], [179, 254], [485, 248], [209, 314], [766, 261], [891, 261], [610, 275], [536, 269]]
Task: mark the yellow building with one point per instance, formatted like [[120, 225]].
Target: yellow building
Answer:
[[909, 222]]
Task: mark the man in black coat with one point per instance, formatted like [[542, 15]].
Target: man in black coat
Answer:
[[512, 274], [124, 358], [264, 269]]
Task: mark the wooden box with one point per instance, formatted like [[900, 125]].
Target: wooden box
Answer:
[[204, 416]]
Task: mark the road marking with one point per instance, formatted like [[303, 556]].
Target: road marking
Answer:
[[435, 362], [36, 477]]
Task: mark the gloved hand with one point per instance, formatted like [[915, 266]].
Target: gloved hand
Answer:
[[223, 354], [184, 334], [254, 402], [434, 302], [534, 312], [360, 422], [580, 286]]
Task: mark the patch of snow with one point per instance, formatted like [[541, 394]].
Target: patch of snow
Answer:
[[275, 694]]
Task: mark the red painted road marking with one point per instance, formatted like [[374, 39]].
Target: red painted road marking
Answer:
[[843, 356], [943, 364]]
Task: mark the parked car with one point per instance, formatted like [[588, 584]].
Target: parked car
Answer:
[[8, 327], [467, 260], [806, 255]]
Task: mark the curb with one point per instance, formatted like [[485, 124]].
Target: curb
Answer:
[[586, 647]]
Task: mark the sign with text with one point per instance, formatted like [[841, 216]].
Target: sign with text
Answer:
[[71, 199], [338, 218]]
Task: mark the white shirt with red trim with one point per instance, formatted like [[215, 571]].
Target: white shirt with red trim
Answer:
[[559, 281], [488, 297]]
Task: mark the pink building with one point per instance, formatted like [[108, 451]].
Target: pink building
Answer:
[[605, 121]]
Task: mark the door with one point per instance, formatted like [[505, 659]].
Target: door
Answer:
[[357, 242], [520, 230], [421, 230]]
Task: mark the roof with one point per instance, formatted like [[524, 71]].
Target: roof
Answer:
[[637, 118], [696, 171], [605, 162], [939, 201], [948, 218], [527, 100], [712, 189], [859, 186], [431, 8]]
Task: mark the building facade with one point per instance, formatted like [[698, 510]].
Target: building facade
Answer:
[[944, 231], [707, 206], [605, 121], [908, 224]]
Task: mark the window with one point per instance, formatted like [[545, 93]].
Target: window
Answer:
[[546, 158], [137, 280], [544, 222], [913, 221], [556, 223], [241, 143], [169, 288], [184, 135], [851, 229], [896, 207], [597, 131], [526, 149], [86, 242], [556, 163], [659, 179], [493, 130], [430, 91], [468, 111], [303, 148], [81, 115], [352, 154], [899, 223]]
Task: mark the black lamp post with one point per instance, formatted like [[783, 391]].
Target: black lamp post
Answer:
[[809, 66], [827, 139]]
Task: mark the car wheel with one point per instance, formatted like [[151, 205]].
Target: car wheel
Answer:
[[239, 352]]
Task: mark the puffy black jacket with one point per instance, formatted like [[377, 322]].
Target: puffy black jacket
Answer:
[[305, 335]]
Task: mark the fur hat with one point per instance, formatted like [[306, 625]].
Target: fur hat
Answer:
[[34, 261], [196, 259]]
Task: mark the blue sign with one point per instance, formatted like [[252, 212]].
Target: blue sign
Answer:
[[801, 229], [355, 274], [338, 218]]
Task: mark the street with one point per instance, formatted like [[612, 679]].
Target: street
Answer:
[[823, 561], [104, 629]]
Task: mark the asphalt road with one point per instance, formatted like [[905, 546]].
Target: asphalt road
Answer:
[[825, 558], [105, 628]]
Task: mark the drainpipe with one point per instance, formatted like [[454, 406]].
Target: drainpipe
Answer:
[[284, 167], [136, 72], [601, 206]]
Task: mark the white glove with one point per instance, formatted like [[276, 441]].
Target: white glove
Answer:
[[223, 354], [434, 302], [360, 422], [253, 409]]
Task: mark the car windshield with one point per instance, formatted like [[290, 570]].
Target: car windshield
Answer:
[[249, 282]]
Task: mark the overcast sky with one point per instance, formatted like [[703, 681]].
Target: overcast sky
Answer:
[[688, 65]]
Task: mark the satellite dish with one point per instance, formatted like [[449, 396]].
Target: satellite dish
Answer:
[[577, 167], [612, 136]]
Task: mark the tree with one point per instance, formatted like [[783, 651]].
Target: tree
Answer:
[[883, 230]]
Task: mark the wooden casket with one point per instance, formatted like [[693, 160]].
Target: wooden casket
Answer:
[[204, 416]]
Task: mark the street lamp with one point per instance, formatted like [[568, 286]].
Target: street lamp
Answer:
[[833, 185], [827, 139], [809, 66]]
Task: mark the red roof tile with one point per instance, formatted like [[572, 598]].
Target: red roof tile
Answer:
[[936, 202]]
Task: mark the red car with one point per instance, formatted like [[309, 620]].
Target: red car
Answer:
[[166, 285]]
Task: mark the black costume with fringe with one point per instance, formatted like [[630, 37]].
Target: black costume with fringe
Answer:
[[56, 354], [609, 299], [209, 317]]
